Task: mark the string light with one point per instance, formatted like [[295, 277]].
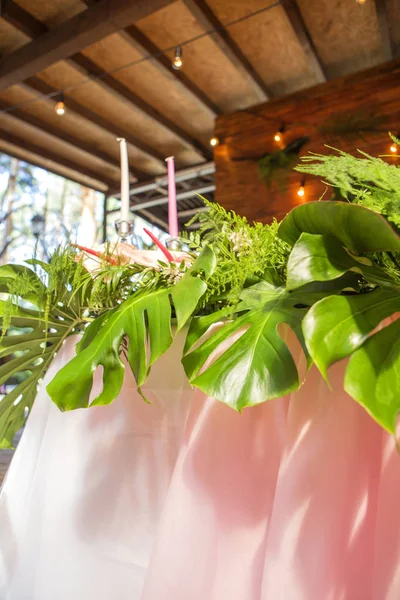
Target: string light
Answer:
[[177, 63], [214, 141], [278, 135], [301, 191], [60, 106], [393, 148]]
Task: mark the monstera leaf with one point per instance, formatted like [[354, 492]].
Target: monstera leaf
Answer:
[[357, 228], [145, 321], [27, 348], [373, 376], [322, 258], [339, 326], [258, 365]]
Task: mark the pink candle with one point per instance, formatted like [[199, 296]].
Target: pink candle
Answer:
[[172, 208]]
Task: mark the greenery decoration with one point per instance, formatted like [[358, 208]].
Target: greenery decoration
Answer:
[[277, 165], [330, 272], [367, 181]]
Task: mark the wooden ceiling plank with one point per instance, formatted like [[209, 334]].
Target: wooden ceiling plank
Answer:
[[296, 20], [15, 15], [146, 47], [34, 84], [383, 22], [56, 158], [32, 27], [19, 154], [210, 22], [97, 22], [111, 85], [60, 134]]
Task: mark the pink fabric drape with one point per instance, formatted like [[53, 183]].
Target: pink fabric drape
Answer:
[[295, 499]]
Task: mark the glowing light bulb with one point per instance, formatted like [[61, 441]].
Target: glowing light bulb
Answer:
[[278, 136], [361, 1], [177, 63], [60, 106], [393, 148], [301, 191], [214, 141]]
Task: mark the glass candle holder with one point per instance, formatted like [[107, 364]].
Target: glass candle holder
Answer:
[[174, 244], [124, 230]]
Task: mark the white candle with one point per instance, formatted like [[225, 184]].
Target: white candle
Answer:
[[172, 208], [124, 180]]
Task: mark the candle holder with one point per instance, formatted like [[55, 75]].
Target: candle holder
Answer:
[[124, 230], [174, 244]]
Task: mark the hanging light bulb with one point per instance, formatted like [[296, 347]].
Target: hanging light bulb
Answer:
[[301, 191], [214, 141], [278, 135], [393, 148], [177, 63], [60, 106]]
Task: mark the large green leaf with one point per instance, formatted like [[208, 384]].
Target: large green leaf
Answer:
[[337, 325], [356, 227], [27, 354], [258, 365], [145, 320], [323, 258], [373, 376]]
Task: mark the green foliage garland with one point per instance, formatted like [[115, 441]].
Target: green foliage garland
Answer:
[[330, 271]]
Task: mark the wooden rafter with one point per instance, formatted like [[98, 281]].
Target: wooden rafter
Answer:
[[53, 168], [86, 28], [208, 20], [61, 135], [383, 22], [35, 29], [296, 20], [36, 85], [10, 138], [124, 94], [146, 47], [12, 12]]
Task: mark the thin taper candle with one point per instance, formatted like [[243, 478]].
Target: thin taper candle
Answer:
[[172, 208], [124, 180]]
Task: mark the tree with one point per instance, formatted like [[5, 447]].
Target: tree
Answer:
[[8, 201]]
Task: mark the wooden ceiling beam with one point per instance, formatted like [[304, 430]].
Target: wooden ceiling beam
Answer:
[[61, 135], [34, 28], [36, 85], [210, 22], [86, 28], [122, 93], [299, 27], [146, 47], [10, 138], [19, 154], [15, 15], [383, 22]]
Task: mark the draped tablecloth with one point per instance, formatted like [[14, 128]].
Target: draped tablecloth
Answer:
[[185, 499]]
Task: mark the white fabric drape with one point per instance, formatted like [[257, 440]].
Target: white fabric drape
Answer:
[[185, 499], [85, 490]]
